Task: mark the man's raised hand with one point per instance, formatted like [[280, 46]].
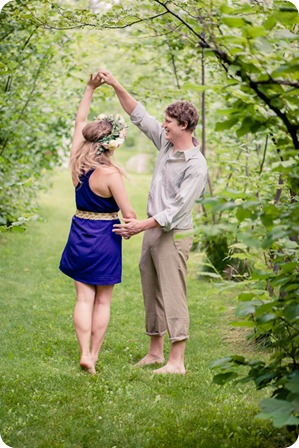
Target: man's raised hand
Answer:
[[106, 76]]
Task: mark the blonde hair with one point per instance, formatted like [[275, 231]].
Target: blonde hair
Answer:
[[90, 154]]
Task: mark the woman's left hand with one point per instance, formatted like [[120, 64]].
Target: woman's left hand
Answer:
[[95, 81]]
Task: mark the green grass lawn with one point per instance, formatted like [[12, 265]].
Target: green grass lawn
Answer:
[[47, 401]]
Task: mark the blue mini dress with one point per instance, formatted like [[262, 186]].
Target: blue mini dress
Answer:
[[92, 253]]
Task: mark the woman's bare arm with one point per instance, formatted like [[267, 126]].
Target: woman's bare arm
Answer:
[[84, 107], [118, 191]]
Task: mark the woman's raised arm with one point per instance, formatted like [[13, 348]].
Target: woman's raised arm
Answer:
[[84, 107]]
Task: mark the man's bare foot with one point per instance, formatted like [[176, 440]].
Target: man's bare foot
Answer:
[[87, 364], [171, 368], [150, 359]]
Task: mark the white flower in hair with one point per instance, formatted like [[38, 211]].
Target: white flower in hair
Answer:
[[112, 145], [117, 135]]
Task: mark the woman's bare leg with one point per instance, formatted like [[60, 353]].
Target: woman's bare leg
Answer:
[[100, 318], [83, 322]]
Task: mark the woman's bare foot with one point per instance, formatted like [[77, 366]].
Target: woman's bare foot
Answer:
[[150, 359], [171, 368], [87, 364], [94, 359]]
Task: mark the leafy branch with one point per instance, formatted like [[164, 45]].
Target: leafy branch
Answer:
[[41, 66], [227, 61]]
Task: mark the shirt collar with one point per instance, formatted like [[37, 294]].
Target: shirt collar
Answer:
[[189, 153]]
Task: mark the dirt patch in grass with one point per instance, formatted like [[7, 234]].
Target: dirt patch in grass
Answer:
[[240, 339]]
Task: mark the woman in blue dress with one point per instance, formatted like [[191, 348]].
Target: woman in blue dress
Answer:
[[92, 255]]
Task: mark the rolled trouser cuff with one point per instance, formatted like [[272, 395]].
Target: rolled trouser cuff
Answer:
[[161, 333], [179, 339]]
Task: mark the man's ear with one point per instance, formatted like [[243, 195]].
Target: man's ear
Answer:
[[184, 126]]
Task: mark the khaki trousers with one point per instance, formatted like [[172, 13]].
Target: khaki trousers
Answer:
[[163, 272]]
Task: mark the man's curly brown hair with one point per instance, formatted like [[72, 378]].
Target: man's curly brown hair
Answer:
[[184, 112]]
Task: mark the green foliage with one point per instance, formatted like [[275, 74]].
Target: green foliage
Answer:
[[269, 305], [35, 120], [216, 249]]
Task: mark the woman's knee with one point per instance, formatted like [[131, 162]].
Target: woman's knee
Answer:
[[103, 294], [85, 293]]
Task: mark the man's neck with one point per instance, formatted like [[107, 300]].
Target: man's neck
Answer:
[[183, 144]]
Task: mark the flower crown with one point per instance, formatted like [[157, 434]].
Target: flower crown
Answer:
[[117, 135]]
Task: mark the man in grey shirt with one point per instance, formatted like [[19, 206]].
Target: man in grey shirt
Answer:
[[179, 179]]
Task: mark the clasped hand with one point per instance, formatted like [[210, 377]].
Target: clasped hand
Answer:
[[130, 227], [95, 81], [102, 77]]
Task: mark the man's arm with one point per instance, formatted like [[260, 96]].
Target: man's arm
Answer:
[[127, 102], [147, 124]]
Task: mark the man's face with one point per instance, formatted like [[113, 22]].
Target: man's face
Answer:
[[172, 128]]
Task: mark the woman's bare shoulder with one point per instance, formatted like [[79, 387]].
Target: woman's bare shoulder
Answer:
[[106, 170]]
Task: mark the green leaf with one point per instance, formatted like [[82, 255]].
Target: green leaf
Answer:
[[220, 362], [222, 125], [286, 68], [223, 378], [263, 45], [266, 378], [233, 69], [280, 411], [291, 312], [234, 22], [293, 382], [243, 323], [196, 87], [291, 287], [239, 256], [242, 214], [267, 317], [249, 124], [240, 246], [265, 308], [249, 239], [17, 228], [225, 9], [255, 31], [245, 296], [288, 17], [245, 308], [270, 22], [237, 359]]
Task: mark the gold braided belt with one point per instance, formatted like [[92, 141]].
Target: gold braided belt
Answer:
[[96, 216]]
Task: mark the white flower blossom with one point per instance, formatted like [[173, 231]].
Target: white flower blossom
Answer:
[[118, 133]]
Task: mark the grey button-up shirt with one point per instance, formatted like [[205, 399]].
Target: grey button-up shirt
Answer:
[[179, 179]]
